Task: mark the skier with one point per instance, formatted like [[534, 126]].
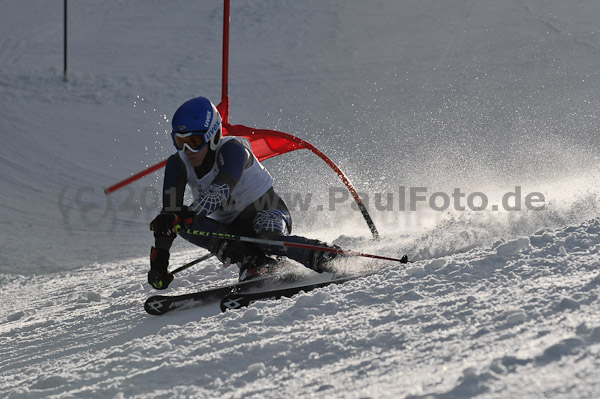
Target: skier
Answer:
[[232, 193]]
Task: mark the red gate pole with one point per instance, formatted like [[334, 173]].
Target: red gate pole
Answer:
[[135, 177], [224, 106]]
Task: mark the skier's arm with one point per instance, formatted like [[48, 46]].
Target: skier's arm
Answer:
[[174, 185], [173, 208], [173, 190]]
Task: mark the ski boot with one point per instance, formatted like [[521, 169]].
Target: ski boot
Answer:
[[262, 266]]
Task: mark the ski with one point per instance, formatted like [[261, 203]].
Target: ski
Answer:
[[161, 304], [237, 300]]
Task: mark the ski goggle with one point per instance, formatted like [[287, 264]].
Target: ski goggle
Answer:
[[193, 141]]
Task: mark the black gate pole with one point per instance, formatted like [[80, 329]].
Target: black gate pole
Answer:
[[65, 79]]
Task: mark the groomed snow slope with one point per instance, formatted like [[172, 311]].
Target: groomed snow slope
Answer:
[[517, 319], [478, 95]]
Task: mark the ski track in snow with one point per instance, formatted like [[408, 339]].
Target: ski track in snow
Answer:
[[481, 95]]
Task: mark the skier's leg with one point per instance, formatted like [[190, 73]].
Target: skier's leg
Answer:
[[227, 251], [276, 225], [319, 261]]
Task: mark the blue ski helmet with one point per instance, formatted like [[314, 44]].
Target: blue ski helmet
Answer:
[[198, 116]]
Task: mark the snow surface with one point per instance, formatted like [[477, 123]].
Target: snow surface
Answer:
[[480, 95]]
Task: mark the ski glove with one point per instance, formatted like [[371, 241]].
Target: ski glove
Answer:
[[158, 275], [168, 224]]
